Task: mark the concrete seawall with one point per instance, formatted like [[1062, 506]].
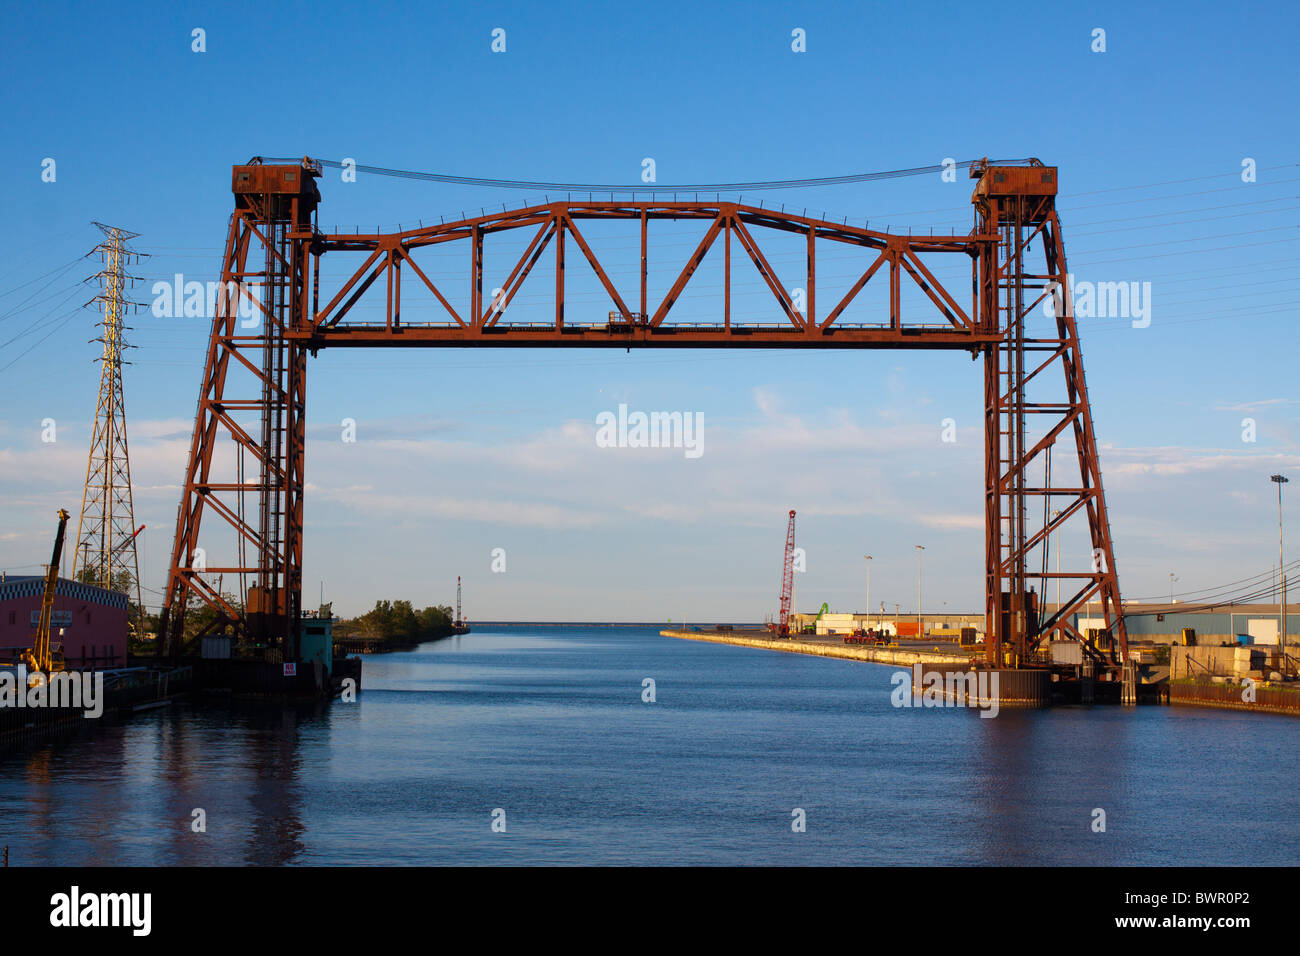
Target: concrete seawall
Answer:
[[1027, 688], [1012, 688], [872, 654], [1229, 696]]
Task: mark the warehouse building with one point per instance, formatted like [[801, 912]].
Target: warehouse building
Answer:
[[1242, 624], [833, 623]]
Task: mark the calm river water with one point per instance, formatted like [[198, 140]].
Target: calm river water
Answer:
[[547, 723]]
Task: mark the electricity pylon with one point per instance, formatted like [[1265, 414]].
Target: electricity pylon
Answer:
[[105, 555]]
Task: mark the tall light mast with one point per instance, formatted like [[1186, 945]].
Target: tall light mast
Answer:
[[1281, 480]]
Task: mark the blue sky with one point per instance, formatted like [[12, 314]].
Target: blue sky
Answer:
[[463, 451]]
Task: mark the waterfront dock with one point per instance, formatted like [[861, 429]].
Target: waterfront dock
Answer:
[[831, 646], [1026, 687], [125, 691], [1230, 694]]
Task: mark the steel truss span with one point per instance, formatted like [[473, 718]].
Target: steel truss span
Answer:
[[284, 298]]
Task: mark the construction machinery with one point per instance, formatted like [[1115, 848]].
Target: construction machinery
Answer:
[[44, 658], [812, 628], [865, 636], [787, 580]]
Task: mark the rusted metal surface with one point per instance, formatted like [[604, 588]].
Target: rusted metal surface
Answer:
[[949, 325], [268, 563], [959, 685], [275, 244], [1012, 296], [257, 180], [1016, 181]]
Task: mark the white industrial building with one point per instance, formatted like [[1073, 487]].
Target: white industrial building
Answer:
[[830, 624]]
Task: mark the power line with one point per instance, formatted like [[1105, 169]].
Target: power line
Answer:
[[1183, 222], [1255, 597], [1066, 207], [1166, 255], [63, 268], [19, 306], [37, 342], [1210, 592], [1176, 182], [68, 297]]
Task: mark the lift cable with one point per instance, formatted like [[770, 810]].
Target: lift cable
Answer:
[[651, 187]]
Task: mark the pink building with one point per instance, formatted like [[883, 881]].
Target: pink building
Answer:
[[90, 622]]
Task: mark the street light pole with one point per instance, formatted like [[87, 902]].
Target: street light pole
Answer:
[[920, 629], [1281, 480], [868, 557]]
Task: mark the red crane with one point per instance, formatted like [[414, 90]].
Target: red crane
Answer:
[[787, 579]]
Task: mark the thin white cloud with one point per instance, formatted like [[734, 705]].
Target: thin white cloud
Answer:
[[1255, 406], [948, 522]]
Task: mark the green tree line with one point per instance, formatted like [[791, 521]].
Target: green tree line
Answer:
[[398, 622], [394, 621]]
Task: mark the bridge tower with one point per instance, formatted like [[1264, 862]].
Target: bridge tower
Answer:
[[253, 391], [1029, 507]]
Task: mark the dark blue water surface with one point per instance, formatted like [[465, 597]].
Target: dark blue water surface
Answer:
[[546, 722]]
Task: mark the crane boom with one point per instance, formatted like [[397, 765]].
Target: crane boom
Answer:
[[787, 579], [40, 658]]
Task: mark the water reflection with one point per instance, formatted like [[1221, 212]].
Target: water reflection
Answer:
[[550, 724], [276, 831]]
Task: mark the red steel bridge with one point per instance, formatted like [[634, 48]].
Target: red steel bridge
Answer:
[[246, 470]]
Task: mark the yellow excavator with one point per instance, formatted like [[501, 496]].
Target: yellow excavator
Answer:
[[43, 658]]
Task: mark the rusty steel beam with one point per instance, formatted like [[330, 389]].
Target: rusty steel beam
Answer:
[[649, 326]]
